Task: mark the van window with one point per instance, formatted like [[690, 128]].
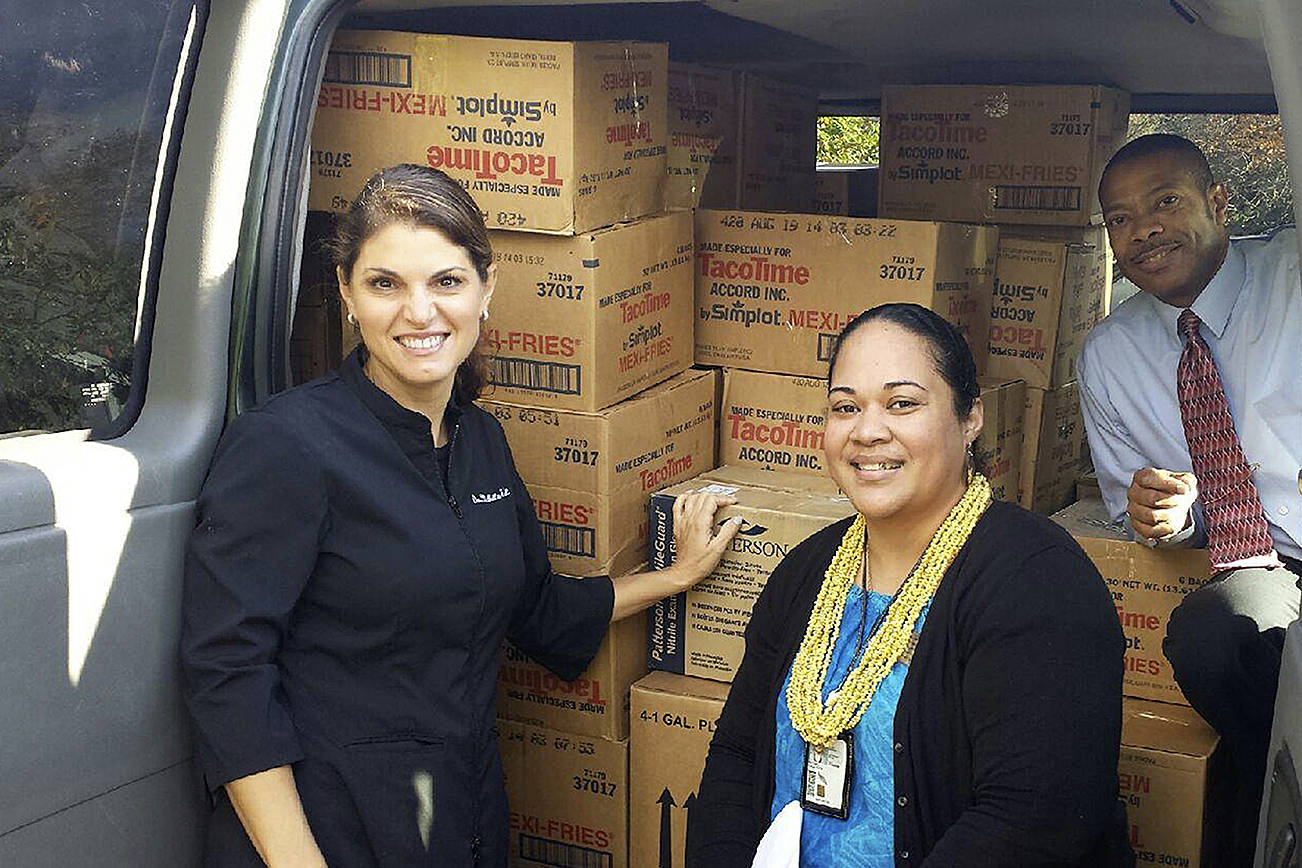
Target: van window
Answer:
[[88, 87], [1246, 151]]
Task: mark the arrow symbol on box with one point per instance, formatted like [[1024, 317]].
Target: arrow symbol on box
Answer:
[[666, 803]]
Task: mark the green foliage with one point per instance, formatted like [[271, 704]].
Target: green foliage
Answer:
[[1246, 152], [66, 291], [848, 140]]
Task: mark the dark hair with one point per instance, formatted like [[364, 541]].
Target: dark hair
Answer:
[[950, 354], [421, 196], [1165, 143]]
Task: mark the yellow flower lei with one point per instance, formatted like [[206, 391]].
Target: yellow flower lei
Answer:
[[820, 725]]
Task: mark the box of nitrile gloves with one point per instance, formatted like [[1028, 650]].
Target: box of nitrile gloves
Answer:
[[557, 137], [701, 631]]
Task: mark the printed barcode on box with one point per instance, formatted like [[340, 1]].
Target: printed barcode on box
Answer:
[[1011, 198], [539, 376], [562, 855], [368, 67], [826, 344], [569, 540]]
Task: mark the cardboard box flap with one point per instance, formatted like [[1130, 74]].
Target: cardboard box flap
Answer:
[[1166, 727], [683, 685], [757, 489], [1089, 518]]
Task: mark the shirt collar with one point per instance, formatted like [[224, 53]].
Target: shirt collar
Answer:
[[381, 404], [1216, 302]]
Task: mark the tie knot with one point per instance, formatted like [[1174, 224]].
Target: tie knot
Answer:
[[1189, 323]]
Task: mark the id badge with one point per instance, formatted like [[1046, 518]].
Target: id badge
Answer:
[[826, 786]]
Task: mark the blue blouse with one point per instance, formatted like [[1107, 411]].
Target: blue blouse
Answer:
[[867, 838]]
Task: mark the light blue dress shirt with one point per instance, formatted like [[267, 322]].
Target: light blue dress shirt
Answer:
[[1251, 314]]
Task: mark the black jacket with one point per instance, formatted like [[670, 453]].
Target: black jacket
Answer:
[[1009, 721], [343, 612]]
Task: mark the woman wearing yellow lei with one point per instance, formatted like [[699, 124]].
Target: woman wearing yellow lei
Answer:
[[936, 681]]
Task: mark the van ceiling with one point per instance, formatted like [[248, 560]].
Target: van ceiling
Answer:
[[1162, 51]]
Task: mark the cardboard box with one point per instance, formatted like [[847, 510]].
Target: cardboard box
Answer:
[[773, 421], [1087, 487], [1054, 454], [700, 632], [1002, 435], [998, 154], [703, 130], [777, 145], [557, 137], [568, 797], [773, 291], [673, 719], [1048, 295], [849, 190], [1168, 758], [580, 323], [594, 704], [591, 474], [1146, 585]]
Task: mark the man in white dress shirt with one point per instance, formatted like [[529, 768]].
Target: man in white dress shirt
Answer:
[[1148, 387]]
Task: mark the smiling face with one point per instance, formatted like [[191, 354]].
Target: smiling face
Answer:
[[417, 299], [893, 442], [1167, 232]]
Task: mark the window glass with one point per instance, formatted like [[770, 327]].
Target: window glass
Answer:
[[1246, 152], [86, 93]]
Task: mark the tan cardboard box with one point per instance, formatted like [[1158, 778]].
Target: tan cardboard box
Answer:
[[1054, 454], [703, 129], [773, 291], [1087, 487], [1002, 434], [1048, 295], [849, 190], [594, 704], [778, 145], [1168, 756], [700, 632], [591, 474], [1146, 585], [582, 322], [557, 137], [831, 193], [773, 421], [776, 422], [568, 797], [998, 154], [673, 718]]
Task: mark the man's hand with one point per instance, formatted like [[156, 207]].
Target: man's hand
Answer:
[[1160, 502]]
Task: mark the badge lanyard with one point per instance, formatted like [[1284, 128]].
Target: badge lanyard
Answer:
[[825, 784]]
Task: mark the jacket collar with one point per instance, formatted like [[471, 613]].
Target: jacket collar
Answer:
[[414, 427]]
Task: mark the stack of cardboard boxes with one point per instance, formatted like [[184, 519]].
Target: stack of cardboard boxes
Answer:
[[1168, 753], [587, 159]]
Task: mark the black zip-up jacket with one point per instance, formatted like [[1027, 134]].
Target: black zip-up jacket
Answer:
[[343, 611], [1008, 725]]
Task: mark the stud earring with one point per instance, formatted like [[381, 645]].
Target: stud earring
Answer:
[[483, 316], [352, 320]]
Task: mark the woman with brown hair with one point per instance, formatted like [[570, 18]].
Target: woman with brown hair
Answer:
[[364, 544], [935, 681]]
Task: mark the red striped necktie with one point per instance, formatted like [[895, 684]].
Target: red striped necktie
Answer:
[[1237, 533]]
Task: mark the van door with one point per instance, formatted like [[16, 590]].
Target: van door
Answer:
[[137, 142]]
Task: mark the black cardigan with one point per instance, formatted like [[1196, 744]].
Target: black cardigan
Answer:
[[1008, 724]]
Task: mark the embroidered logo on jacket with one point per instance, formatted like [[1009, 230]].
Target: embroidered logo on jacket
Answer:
[[500, 494]]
